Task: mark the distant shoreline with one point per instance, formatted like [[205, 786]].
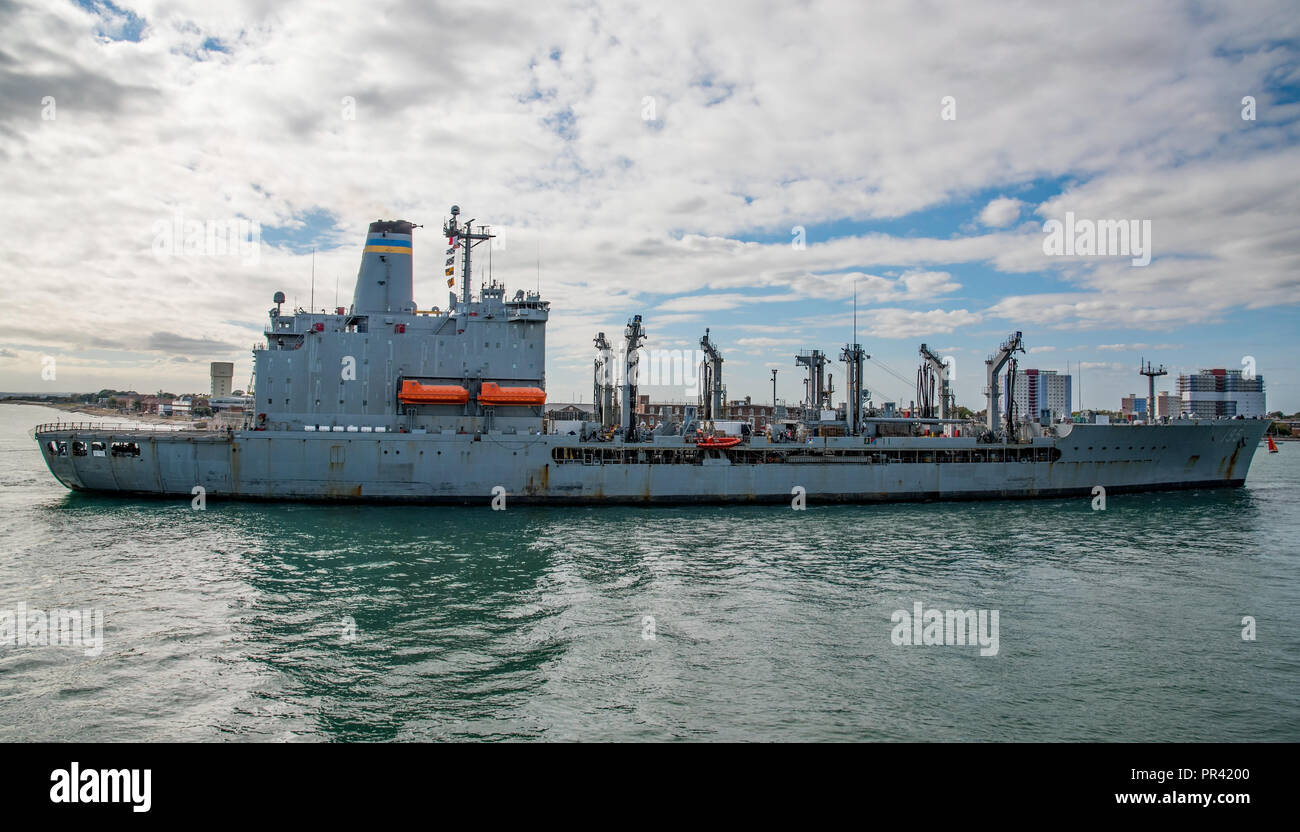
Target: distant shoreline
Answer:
[[106, 412]]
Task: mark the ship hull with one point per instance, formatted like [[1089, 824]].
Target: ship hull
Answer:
[[463, 469]]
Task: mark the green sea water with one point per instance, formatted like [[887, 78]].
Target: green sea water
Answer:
[[298, 622]]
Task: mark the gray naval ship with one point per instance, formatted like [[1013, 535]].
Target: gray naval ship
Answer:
[[383, 401]]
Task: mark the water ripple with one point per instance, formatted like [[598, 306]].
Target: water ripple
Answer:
[[309, 623]]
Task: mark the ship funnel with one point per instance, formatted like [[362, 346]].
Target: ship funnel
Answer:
[[384, 283]]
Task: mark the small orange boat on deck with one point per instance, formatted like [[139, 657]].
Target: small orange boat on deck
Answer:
[[413, 392], [493, 393], [718, 442]]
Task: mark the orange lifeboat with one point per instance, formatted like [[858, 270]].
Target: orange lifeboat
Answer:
[[718, 441], [413, 392], [493, 393]]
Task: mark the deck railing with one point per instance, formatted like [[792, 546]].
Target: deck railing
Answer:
[[103, 426]]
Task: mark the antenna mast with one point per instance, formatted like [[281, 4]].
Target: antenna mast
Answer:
[[464, 235], [1151, 373]]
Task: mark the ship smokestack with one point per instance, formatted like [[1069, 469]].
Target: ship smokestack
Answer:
[[384, 283]]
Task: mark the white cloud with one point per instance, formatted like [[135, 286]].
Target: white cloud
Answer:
[[769, 342], [926, 285], [1087, 310], [1001, 212], [906, 323], [721, 301], [1136, 347]]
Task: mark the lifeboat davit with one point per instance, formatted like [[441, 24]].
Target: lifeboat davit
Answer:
[[493, 393], [719, 442], [413, 392]]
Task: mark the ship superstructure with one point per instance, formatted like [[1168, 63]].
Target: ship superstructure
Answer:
[[385, 401], [369, 366]]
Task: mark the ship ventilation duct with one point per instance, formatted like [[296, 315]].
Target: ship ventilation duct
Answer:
[[384, 283]]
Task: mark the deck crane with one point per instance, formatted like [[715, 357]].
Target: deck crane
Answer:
[[934, 369], [993, 366], [712, 393], [815, 384], [602, 395], [634, 335]]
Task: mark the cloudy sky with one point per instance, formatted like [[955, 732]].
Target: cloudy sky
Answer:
[[662, 159]]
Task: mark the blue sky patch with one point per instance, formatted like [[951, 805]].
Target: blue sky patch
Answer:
[[118, 23]]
